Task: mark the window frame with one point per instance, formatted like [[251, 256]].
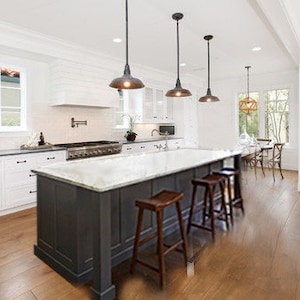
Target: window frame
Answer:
[[262, 94], [23, 100]]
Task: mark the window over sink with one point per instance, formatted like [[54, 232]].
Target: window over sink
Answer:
[[12, 99]]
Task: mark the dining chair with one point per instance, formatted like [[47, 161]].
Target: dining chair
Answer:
[[271, 160], [263, 147], [258, 148]]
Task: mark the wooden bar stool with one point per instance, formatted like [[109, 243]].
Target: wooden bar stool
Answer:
[[210, 182], [157, 203], [236, 199]]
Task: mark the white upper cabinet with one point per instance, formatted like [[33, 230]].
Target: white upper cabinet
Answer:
[[77, 84], [157, 107], [150, 105]]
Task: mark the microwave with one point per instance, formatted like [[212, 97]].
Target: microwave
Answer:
[[170, 129]]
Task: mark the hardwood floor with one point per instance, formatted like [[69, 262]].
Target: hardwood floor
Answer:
[[259, 258]]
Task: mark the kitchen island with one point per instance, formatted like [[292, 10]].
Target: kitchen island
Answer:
[[86, 213]]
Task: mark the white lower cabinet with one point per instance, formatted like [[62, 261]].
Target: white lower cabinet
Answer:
[[152, 146], [18, 182]]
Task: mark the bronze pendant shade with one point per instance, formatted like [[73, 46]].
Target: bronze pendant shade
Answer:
[[178, 91], [248, 105], [208, 97], [126, 81]]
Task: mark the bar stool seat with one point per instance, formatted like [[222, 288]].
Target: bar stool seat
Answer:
[[156, 204], [236, 199], [210, 183]]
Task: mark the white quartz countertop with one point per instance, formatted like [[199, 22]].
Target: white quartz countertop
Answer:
[[110, 172]]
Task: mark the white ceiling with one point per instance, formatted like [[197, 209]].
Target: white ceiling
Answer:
[[237, 27]]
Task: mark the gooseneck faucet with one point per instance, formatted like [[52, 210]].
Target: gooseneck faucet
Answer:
[[166, 133], [155, 130]]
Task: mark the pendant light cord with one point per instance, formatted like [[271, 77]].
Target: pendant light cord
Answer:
[[208, 67], [126, 19], [248, 80], [177, 50]]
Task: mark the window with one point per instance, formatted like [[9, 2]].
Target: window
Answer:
[[272, 116], [12, 100], [277, 115]]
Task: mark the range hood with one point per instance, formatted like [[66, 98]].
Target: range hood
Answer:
[[76, 84]]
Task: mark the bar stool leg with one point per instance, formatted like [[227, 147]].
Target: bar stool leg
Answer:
[[230, 200], [137, 239], [211, 211], [160, 244], [206, 198], [238, 187], [223, 203], [182, 231], [192, 209]]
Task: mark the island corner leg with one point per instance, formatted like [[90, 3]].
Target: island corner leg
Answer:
[[102, 288]]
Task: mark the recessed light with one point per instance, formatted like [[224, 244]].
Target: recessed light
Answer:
[[182, 64], [256, 49], [117, 40]]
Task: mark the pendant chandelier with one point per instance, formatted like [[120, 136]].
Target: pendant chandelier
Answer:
[[208, 97], [126, 81], [248, 105], [178, 91]]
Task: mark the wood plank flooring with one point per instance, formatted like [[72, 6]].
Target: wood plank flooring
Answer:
[[258, 258]]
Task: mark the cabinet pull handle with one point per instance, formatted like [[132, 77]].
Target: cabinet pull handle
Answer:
[[31, 192], [21, 161], [128, 148], [32, 175], [53, 157], [142, 147]]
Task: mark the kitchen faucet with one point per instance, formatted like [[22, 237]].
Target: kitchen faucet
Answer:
[[166, 133]]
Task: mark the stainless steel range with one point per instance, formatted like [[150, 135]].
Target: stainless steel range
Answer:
[[91, 149]]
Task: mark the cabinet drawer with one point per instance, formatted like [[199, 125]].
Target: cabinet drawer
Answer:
[[51, 157], [15, 178], [21, 195], [19, 162]]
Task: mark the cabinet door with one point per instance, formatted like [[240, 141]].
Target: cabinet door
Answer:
[[148, 105], [157, 107]]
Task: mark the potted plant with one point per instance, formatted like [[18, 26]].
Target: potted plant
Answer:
[[130, 134]]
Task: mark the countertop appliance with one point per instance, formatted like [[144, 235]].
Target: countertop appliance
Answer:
[[91, 149]]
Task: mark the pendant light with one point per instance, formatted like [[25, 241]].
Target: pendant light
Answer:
[[126, 81], [208, 97], [248, 105], [178, 91]]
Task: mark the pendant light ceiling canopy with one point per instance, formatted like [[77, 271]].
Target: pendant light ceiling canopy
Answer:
[[178, 91], [248, 105], [208, 97], [126, 81]]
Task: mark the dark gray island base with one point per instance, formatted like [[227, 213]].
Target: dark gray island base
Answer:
[[83, 233]]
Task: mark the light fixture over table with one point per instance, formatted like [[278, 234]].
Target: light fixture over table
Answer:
[[178, 91], [208, 97], [126, 81], [248, 105]]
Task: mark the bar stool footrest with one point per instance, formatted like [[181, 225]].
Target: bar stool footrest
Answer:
[[145, 264], [172, 248]]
